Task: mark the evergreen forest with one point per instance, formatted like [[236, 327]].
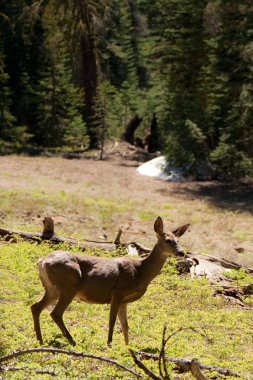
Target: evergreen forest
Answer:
[[73, 72]]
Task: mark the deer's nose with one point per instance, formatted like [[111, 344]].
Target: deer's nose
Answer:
[[180, 252]]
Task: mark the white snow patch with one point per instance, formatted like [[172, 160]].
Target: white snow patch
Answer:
[[160, 168]]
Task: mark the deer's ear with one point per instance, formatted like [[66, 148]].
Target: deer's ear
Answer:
[[181, 230], [158, 226]]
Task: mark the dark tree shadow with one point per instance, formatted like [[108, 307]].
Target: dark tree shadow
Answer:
[[229, 196]]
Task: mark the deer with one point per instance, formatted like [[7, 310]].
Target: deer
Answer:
[[100, 280]]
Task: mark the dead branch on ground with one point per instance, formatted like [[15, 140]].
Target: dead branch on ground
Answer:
[[18, 353], [184, 365]]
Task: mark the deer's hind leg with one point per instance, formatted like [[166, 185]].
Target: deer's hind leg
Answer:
[[37, 308]]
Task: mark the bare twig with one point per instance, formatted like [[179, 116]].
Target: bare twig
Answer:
[[193, 365], [66, 352], [142, 366], [197, 331], [173, 333], [162, 361]]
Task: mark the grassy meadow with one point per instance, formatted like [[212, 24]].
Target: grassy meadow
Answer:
[[85, 201]]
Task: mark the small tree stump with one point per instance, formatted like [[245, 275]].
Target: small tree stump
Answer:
[[131, 127]]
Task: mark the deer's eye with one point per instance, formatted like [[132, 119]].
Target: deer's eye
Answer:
[[171, 242]]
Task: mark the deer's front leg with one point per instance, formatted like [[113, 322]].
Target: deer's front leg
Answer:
[[115, 303], [122, 314]]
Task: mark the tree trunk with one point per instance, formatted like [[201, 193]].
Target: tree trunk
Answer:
[[151, 141], [131, 127]]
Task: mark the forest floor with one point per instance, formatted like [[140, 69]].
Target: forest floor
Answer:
[[88, 197]]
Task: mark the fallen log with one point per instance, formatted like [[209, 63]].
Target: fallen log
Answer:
[[51, 236], [47, 234]]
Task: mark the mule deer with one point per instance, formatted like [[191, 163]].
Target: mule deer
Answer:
[[116, 281]]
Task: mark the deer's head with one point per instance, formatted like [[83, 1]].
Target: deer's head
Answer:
[[168, 240]]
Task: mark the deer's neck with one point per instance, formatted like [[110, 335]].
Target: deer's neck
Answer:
[[153, 263]]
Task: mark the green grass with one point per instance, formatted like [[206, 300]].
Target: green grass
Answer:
[[243, 235], [38, 199], [147, 215], [223, 336]]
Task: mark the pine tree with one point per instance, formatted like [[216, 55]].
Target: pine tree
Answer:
[[234, 155], [12, 128], [20, 46], [82, 24], [180, 50], [126, 69], [102, 113], [59, 118], [7, 120]]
